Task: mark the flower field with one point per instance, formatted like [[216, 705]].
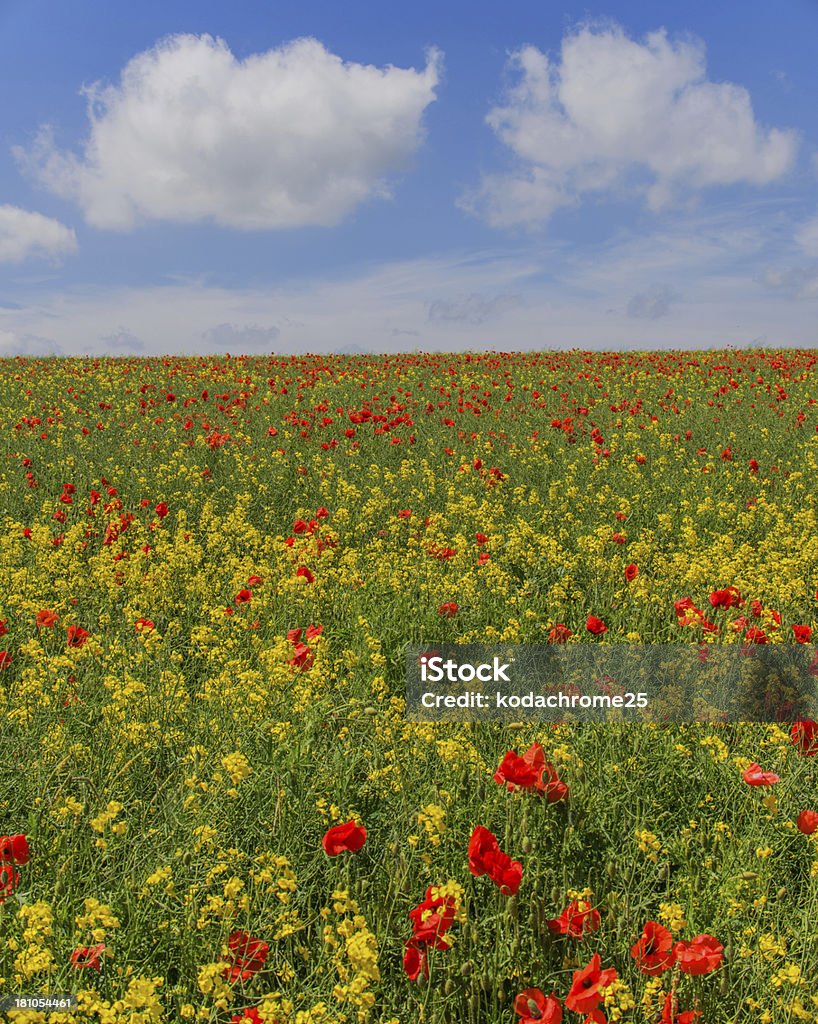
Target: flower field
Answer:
[[212, 806]]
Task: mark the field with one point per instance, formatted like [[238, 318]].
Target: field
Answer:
[[210, 570]]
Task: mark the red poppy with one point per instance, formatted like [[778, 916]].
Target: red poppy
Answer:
[[432, 919], [322, 512], [243, 597], [803, 634], [14, 849], [671, 1015], [88, 956], [77, 636], [586, 988], [144, 625], [701, 955], [161, 510], [595, 625], [341, 838], [405, 513], [486, 858], [805, 736], [756, 636], [313, 631], [5, 659], [305, 572], [251, 1013], [578, 918], [47, 618], [415, 959], [481, 538], [302, 657], [754, 776], [248, 956], [253, 581], [4, 628], [729, 597], [654, 952], [631, 572], [447, 610], [559, 634], [534, 1007], [808, 822], [619, 538], [753, 466]]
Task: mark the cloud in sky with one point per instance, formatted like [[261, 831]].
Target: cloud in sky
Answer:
[[286, 138], [24, 234], [807, 237], [231, 338], [638, 118], [651, 304], [474, 310]]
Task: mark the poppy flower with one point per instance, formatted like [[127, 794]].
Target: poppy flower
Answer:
[[14, 849], [481, 538], [77, 636], [803, 634], [144, 625], [251, 1013], [486, 858], [618, 538], [559, 633], [313, 631], [305, 573], [253, 581], [631, 572], [447, 610], [5, 659], [578, 918], [4, 628], [341, 838], [670, 1014], [756, 636], [161, 509], [587, 986], [243, 597], [415, 959], [432, 918], [805, 736], [46, 618], [754, 776], [302, 657], [701, 955], [248, 956], [729, 597], [595, 625], [534, 1007], [654, 952], [808, 822], [88, 956]]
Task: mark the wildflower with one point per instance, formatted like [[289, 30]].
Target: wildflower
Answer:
[[486, 858], [88, 956], [248, 956], [805, 736], [347, 837], [46, 618], [595, 625], [587, 986], [808, 822], [77, 636], [14, 849], [670, 1014], [803, 634], [161, 510], [144, 625], [527, 773], [305, 573], [631, 572], [701, 955], [578, 919], [534, 1007], [243, 597], [754, 776], [654, 952], [5, 659], [559, 634], [447, 610]]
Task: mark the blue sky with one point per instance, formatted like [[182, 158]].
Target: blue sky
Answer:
[[256, 177]]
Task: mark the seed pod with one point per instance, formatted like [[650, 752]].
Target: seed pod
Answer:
[[782, 892], [474, 1005], [187, 857], [449, 987], [486, 982], [612, 869], [555, 894], [749, 876], [466, 969], [513, 908], [527, 845], [370, 710], [724, 984]]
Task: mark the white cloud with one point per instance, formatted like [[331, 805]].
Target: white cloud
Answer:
[[24, 234], [475, 309], [651, 304], [807, 237], [293, 136], [616, 114]]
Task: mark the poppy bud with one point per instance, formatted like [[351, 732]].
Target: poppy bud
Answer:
[[466, 969], [486, 982], [512, 908], [555, 894], [749, 876], [370, 710], [187, 857], [474, 1005], [449, 987], [724, 984], [527, 845], [782, 892], [612, 869]]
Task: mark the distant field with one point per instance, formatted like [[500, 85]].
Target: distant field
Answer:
[[210, 570]]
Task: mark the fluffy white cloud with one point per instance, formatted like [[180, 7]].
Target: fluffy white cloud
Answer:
[[290, 137], [24, 234], [614, 113]]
